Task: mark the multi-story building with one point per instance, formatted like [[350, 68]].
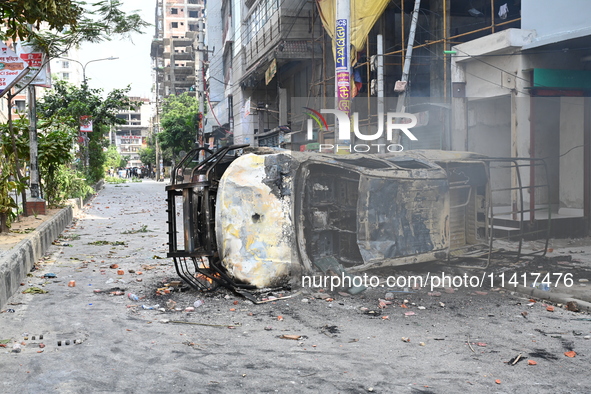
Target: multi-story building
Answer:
[[267, 53], [177, 24], [68, 68], [131, 136]]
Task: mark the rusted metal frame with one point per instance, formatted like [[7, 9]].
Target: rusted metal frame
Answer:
[[492, 15], [205, 206], [469, 187], [516, 165], [216, 158], [172, 237], [189, 156], [519, 182]]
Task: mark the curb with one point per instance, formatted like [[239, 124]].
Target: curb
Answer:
[[18, 261], [560, 298]]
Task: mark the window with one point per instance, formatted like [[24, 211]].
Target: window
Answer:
[[65, 76], [174, 25], [174, 11], [66, 64], [193, 14], [19, 105], [193, 27]]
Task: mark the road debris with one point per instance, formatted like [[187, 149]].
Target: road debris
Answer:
[[289, 336], [35, 290], [516, 359]]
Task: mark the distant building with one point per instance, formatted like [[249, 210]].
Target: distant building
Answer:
[[177, 22], [131, 136], [67, 68]]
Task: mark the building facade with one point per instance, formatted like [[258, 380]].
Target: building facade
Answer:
[[173, 51], [500, 78], [132, 136]]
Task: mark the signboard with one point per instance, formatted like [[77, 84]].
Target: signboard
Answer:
[[86, 124], [342, 64], [271, 71], [12, 68], [39, 74], [247, 108]]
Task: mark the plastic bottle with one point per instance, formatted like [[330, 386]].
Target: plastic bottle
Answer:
[[133, 297], [197, 303]]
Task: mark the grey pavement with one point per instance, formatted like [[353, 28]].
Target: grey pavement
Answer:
[[389, 340]]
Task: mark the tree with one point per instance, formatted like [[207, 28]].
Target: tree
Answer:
[[70, 102], [179, 123], [148, 155], [70, 22], [113, 158]]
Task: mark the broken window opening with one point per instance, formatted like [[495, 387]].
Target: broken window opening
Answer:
[[330, 214]]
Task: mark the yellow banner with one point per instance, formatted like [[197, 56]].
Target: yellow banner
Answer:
[[364, 13]]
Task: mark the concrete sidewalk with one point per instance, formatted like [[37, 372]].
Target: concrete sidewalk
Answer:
[[17, 262]]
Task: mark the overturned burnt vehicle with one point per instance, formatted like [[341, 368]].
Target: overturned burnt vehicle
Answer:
[[254, 218]]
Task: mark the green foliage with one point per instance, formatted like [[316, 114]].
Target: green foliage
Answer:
[[20, 128], [69, 102], [179, 123], [114, 179], [16, 14], [65, 183], [113, 158], [8, 181], [71, 22], [147, 155], [7, 203]]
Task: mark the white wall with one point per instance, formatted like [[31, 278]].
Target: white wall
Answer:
[[571, 163], [556, 21]]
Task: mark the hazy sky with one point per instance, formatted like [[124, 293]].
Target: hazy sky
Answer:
[[134, 64]]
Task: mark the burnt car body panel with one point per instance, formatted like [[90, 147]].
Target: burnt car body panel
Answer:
[[280, 212]]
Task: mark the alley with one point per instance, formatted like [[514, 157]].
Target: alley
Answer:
[[98, 337]]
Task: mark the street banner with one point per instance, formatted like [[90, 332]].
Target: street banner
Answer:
[[12, 68], [271, 71], [39, 74], [86, 124]]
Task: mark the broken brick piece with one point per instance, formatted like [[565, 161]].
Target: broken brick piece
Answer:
[[288, 336]]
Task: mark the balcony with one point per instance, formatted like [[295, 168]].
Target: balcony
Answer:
[[157, 48], [183, 56], [283, 27]]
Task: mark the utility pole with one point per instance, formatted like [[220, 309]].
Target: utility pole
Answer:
[[342, 58], [380, 82], [35, 204], [406, 67], [199, 77], [342, 61]]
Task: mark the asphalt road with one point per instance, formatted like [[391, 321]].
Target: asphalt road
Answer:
[[96, 339]]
